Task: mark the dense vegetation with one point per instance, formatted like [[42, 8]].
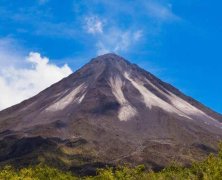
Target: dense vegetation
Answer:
[[209, 169]]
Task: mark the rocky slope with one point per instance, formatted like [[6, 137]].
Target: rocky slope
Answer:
[[108, 112]]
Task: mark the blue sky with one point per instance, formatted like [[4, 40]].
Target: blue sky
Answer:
[[179, 41]]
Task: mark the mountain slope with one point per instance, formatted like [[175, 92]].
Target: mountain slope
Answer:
[[109, 112]]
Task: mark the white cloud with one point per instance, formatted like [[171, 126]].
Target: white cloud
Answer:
[[93, 25], [24, 79]]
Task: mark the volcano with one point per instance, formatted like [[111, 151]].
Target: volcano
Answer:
[[109, 112]]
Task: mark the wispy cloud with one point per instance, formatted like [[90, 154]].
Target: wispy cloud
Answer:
[[117, 40], [160, 11], [111, 38], [23, 79], [137, 35], [93, 25], [120, 35], [43, 21]]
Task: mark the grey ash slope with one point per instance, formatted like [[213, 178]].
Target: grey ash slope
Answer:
[[115, 112]]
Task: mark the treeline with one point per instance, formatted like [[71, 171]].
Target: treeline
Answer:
[[209, 169]]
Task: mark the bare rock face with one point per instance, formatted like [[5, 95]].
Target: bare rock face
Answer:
[[108, 112]]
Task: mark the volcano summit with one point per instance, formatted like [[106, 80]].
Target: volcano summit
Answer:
[[108, 112]]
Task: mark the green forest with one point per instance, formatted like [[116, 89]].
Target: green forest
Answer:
[[209, 169]]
